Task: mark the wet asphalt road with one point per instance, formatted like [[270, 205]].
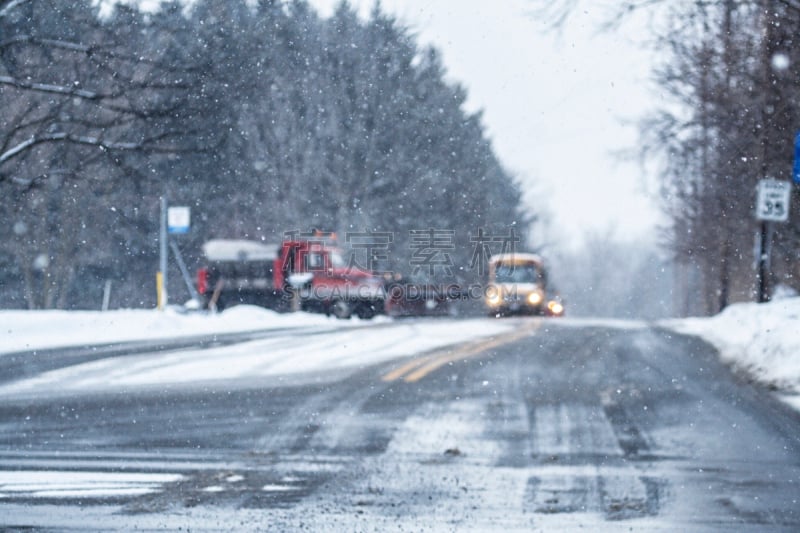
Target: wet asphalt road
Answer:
[[566, 427]]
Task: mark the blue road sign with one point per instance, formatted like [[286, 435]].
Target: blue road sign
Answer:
[[796, 169], [178, 219]]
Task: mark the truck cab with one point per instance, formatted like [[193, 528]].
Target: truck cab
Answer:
[[323, 281]]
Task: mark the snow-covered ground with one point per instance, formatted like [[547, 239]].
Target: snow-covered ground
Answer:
[[300, 344], [760, 339], [35, 330]]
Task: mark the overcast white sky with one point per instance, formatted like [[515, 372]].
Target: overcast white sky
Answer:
[[554, 104]]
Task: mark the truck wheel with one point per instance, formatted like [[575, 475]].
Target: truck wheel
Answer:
[[341, 309], [365, 310]]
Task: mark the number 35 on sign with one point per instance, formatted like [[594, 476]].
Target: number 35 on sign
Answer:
[[773, 200]]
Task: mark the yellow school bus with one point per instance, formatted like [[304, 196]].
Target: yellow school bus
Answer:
[[517, 284]]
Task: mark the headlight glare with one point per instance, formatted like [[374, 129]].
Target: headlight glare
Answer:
[[494, 296], [534, 298]]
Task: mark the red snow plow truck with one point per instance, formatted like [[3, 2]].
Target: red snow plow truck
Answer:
[[297, 274]]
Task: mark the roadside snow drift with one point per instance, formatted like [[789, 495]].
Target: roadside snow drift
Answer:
[[36, 330], [296, 344]]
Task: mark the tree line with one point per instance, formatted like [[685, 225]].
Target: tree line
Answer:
[[732, 73], [263, 117], [726, 77]]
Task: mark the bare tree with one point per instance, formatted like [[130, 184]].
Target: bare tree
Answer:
[[82, 99], [728, 124]]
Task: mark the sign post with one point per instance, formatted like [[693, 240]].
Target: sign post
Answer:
[[178, 222], [173, 220], [772, 205]]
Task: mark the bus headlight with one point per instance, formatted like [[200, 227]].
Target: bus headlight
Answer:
[[535, 298], [555, 308], [494, 297]]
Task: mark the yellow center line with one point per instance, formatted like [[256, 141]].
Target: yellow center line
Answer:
[[408, 367], [419, 368]]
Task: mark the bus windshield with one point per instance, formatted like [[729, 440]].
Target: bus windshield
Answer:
[[511, 273]]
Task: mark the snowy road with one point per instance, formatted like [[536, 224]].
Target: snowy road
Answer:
[[539, 425]]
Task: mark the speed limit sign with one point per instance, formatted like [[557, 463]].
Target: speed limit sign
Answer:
[[773, 200]]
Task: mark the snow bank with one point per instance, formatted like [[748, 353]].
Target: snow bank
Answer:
[[32, 330], [760, 339]]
